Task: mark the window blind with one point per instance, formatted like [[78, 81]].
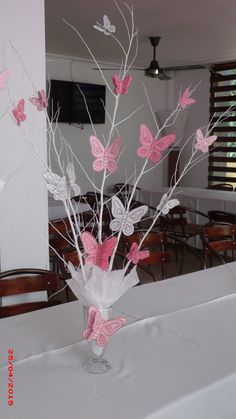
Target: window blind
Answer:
[[222, 156]]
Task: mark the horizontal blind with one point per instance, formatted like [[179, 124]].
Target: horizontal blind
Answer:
[[222, 156]]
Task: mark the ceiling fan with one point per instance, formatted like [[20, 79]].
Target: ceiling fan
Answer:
[[154, 70]]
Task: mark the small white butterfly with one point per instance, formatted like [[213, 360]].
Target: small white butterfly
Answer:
[[70, 170], [106, 28], [57, 186], [124, 220], [165, 204]]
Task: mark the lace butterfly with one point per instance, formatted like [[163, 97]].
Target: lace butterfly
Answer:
[[121, 86], [72, 178], [41, 101], [57, 186], [96, 253], [151, 149], [165, 204], [203, 143], [136, 255], [100, 329], [18, 112], [185, 100], [105, 156], [125, 220], [106, 28]]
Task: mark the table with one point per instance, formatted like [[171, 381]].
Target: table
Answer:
[[175, 359]]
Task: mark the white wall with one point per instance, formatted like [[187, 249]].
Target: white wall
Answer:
[[160, 94], [23, 204]]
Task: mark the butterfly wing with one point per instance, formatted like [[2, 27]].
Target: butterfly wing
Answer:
[[99, 28], [131, 218], [146, 139], [92, 311], [133, 254], [125, 84], [90, 246], [118, 212], [112, 326], [98, 151], [107, 26], [112, 153], [117, 83], [43, 98], [185, 100], [105, 251], [143, 254], [18, 112], [36, 102], [4, 76]]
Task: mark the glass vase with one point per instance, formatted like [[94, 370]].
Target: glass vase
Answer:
[[96, 363]]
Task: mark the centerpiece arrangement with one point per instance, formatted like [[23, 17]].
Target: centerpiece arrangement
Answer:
[[96, 281]]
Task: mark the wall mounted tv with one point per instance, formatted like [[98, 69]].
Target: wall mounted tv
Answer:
[[67, 97]]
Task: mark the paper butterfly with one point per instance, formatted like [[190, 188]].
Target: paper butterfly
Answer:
[[136, 255], [203, 143], [96, 253], [57, 186], [151, 148], [4, 76], [41, 101], [124, 220], [121, 86], [106, 28], [71, 176], [18, 112], [185, 100], [165, 204], [105, 157], [100, 329]]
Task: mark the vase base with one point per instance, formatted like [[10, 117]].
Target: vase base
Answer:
[[96, 365]]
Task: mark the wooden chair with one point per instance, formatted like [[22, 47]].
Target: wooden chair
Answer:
[[222, 217], [21, 281], [218, 240], [156, 244], [59, 233]]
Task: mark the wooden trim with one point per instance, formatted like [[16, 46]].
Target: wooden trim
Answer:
[[225, 169], [222, 179]]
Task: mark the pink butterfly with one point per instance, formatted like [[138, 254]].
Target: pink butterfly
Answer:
[[4, 76], [41, 101], [203, 143], [96, 253], [105, 157], [136, 255], [121, 86], [151, 148], [18, 112], [185, 100], [100, 329]]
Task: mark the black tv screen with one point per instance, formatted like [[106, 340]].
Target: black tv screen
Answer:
[[66, 99]]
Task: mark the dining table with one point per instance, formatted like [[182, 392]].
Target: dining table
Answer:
[[174, 359]]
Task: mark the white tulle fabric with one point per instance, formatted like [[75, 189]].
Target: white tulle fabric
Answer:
[[100, 288]]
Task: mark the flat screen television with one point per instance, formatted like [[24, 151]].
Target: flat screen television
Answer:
[[66, 97]]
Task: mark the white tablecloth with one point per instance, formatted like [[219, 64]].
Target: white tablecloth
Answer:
[[180, 363]]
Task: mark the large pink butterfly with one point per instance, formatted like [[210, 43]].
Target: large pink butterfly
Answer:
[[203, 143], [100, 329], [185, 100], [41, 101], [151, 148], [136, 255], [18, 112], [121, 86], [96, 253], [4, 76], [105, 157]]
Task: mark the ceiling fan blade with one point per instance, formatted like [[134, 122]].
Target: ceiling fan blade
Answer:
[[184, 67]]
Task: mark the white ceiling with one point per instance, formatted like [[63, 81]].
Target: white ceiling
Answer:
[[192, 31]]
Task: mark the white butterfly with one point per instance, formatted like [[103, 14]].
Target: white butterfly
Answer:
[[57, 186], [165, 204], [106, 28], [71, 176], [124, 220]]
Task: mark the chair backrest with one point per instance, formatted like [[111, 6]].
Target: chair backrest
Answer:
[[156, 243], [218, 238], [21, 281], [222, 187], [222, 216]]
